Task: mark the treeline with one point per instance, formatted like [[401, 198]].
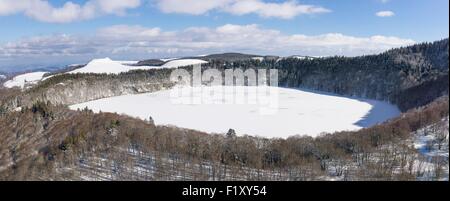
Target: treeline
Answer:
[[44, 140], [434, 54]]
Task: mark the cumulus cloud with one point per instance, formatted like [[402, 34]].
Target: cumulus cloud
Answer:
[[128, 32], [142, 42], [283, 10], [385, 13], [43, 11], [193, 7]]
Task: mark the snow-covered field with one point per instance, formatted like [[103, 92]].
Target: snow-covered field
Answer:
[[182, 62], [24, 79], [297, 112], [109, 66], [167, 59], [128, 62]]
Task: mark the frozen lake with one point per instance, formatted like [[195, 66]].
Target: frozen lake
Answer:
[[281, 113]]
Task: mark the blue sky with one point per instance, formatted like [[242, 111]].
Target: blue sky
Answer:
[[133, 29]]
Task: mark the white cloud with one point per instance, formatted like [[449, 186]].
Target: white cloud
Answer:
[[117, 7], [284, 10], [386, 13], [141, 42], [43, 11], [193, 7], [128, 32]]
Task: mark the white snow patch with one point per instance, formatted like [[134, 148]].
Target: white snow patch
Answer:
[[432, 144], [425, 139], [107, 66], [258, 58], [2, 77], [74, 65], [24, 79], [182, 62], [48, 77], [168, 59], [299, 112], [302, 57]]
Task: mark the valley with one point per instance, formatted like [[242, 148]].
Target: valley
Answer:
[[374, 117]]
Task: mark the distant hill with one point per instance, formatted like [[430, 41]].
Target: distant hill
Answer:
[[230, 57], [150, 62]]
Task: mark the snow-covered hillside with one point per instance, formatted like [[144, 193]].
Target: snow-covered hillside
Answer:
[[24, 79], [299, 112], [128, 62], [168, 59], [432, 144], [182, 62], [2, 77], [106, 65], [109, 66], [432, 141]]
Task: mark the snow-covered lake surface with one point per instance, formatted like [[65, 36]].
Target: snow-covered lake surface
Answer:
[[297, 112]]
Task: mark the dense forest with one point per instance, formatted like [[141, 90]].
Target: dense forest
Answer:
[[41, 139], [393, 76]]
